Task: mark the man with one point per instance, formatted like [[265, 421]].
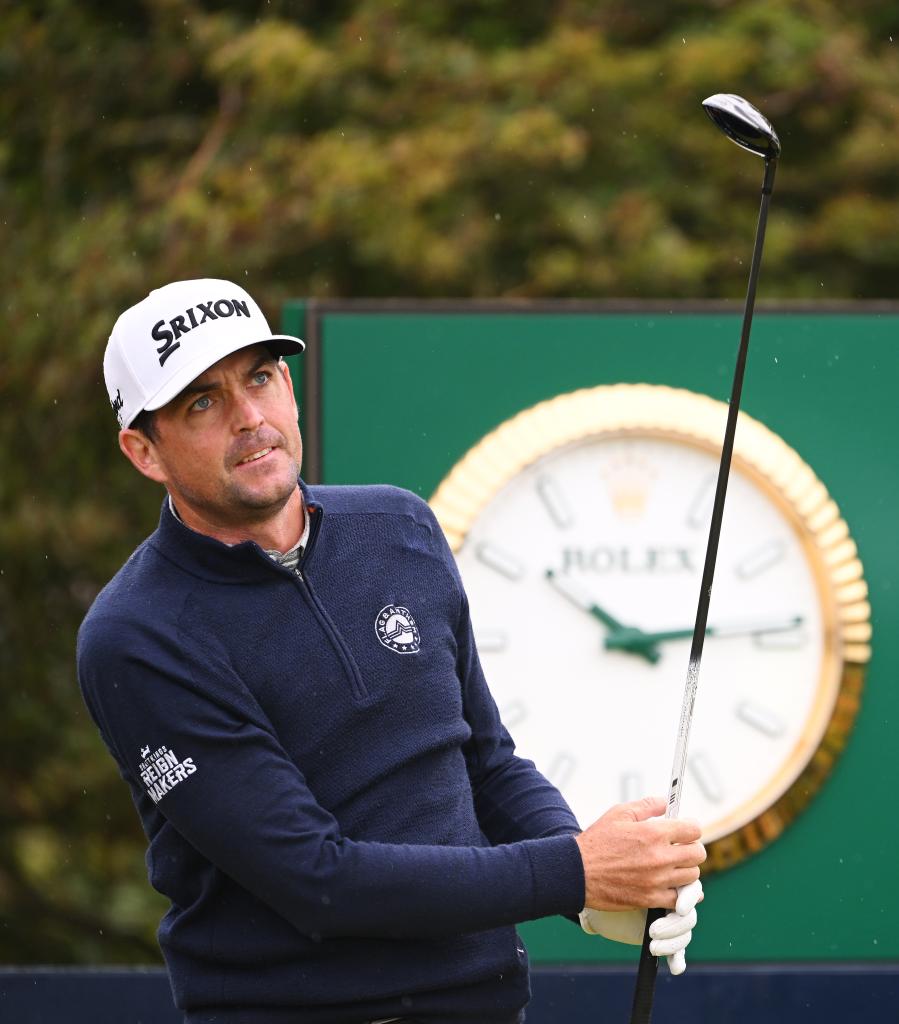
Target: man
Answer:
[[341, 824]]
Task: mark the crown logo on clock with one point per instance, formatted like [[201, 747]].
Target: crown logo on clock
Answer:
[[629, 482]]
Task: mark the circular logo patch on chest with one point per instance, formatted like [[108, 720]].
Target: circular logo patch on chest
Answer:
[[396, 629]]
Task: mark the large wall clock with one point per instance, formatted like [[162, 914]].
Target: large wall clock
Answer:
[[580, 527]]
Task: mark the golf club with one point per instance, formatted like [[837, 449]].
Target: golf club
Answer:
[[746, 126]]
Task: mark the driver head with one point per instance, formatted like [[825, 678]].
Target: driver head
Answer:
[[743, 123]]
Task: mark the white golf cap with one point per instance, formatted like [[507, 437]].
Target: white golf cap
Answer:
[[169, 338]]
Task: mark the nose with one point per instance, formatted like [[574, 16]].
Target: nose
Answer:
[[246, 414]]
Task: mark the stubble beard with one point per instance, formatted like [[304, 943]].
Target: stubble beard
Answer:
[[243, 502], [237, 504]]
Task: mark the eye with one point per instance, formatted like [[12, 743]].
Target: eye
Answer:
[[261, 377], [201, 404]]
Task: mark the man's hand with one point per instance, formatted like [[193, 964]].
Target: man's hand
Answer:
[[635, 859], [670, 935]]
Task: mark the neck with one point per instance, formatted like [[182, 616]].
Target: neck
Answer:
[[278, 532]]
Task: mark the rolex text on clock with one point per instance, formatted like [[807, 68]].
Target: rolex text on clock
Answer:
[[580, 527]]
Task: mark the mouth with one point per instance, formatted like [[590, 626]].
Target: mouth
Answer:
[[255, 456]]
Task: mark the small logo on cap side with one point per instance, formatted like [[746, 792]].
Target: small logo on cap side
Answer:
[[117, 404], [211, 310]]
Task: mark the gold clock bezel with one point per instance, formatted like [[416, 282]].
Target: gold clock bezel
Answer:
[[646, 410]]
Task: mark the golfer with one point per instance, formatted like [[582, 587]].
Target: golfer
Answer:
[[287, 680]]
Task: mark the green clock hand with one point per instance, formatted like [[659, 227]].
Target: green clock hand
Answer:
[[579, 597], [627, 639]]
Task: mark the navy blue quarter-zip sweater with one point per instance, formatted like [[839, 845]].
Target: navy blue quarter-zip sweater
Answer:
[[332, 805]]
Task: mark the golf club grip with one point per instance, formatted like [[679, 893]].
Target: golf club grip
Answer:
[[644, 990]]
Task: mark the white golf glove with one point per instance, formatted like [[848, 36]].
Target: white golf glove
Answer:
[[670, 934]]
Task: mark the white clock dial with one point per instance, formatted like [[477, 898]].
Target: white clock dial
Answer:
[[633, 541], [583, 567]]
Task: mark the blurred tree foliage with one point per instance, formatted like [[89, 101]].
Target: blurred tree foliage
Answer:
[[355, 147]]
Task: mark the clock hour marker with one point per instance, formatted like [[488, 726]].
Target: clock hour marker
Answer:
[[561, 770], [555, 502], [490, 641], [504, 563], [706, 777], [631, 787], [513, 714], [758, 561], [760, 718], [700, 511]]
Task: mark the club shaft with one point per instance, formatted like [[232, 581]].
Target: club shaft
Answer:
[[711, 554], [641, 1010]]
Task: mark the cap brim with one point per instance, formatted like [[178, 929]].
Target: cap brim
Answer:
[[278, 344], [284, 344]]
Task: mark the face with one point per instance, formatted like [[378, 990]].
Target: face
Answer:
[[228, 447]]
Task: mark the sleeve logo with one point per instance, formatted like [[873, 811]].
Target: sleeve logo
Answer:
[[161, 770]]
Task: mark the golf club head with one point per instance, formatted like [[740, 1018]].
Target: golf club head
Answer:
[[742, 122]]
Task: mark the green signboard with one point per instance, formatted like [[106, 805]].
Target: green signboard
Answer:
[[399, 392]]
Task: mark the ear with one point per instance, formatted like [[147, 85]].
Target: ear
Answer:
[[141, 453]]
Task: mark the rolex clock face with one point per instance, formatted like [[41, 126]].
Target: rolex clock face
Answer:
[[580, 529]]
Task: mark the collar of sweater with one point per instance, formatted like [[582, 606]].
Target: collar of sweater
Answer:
[[211, 559]]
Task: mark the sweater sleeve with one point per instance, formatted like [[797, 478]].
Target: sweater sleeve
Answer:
[[200, 755]]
